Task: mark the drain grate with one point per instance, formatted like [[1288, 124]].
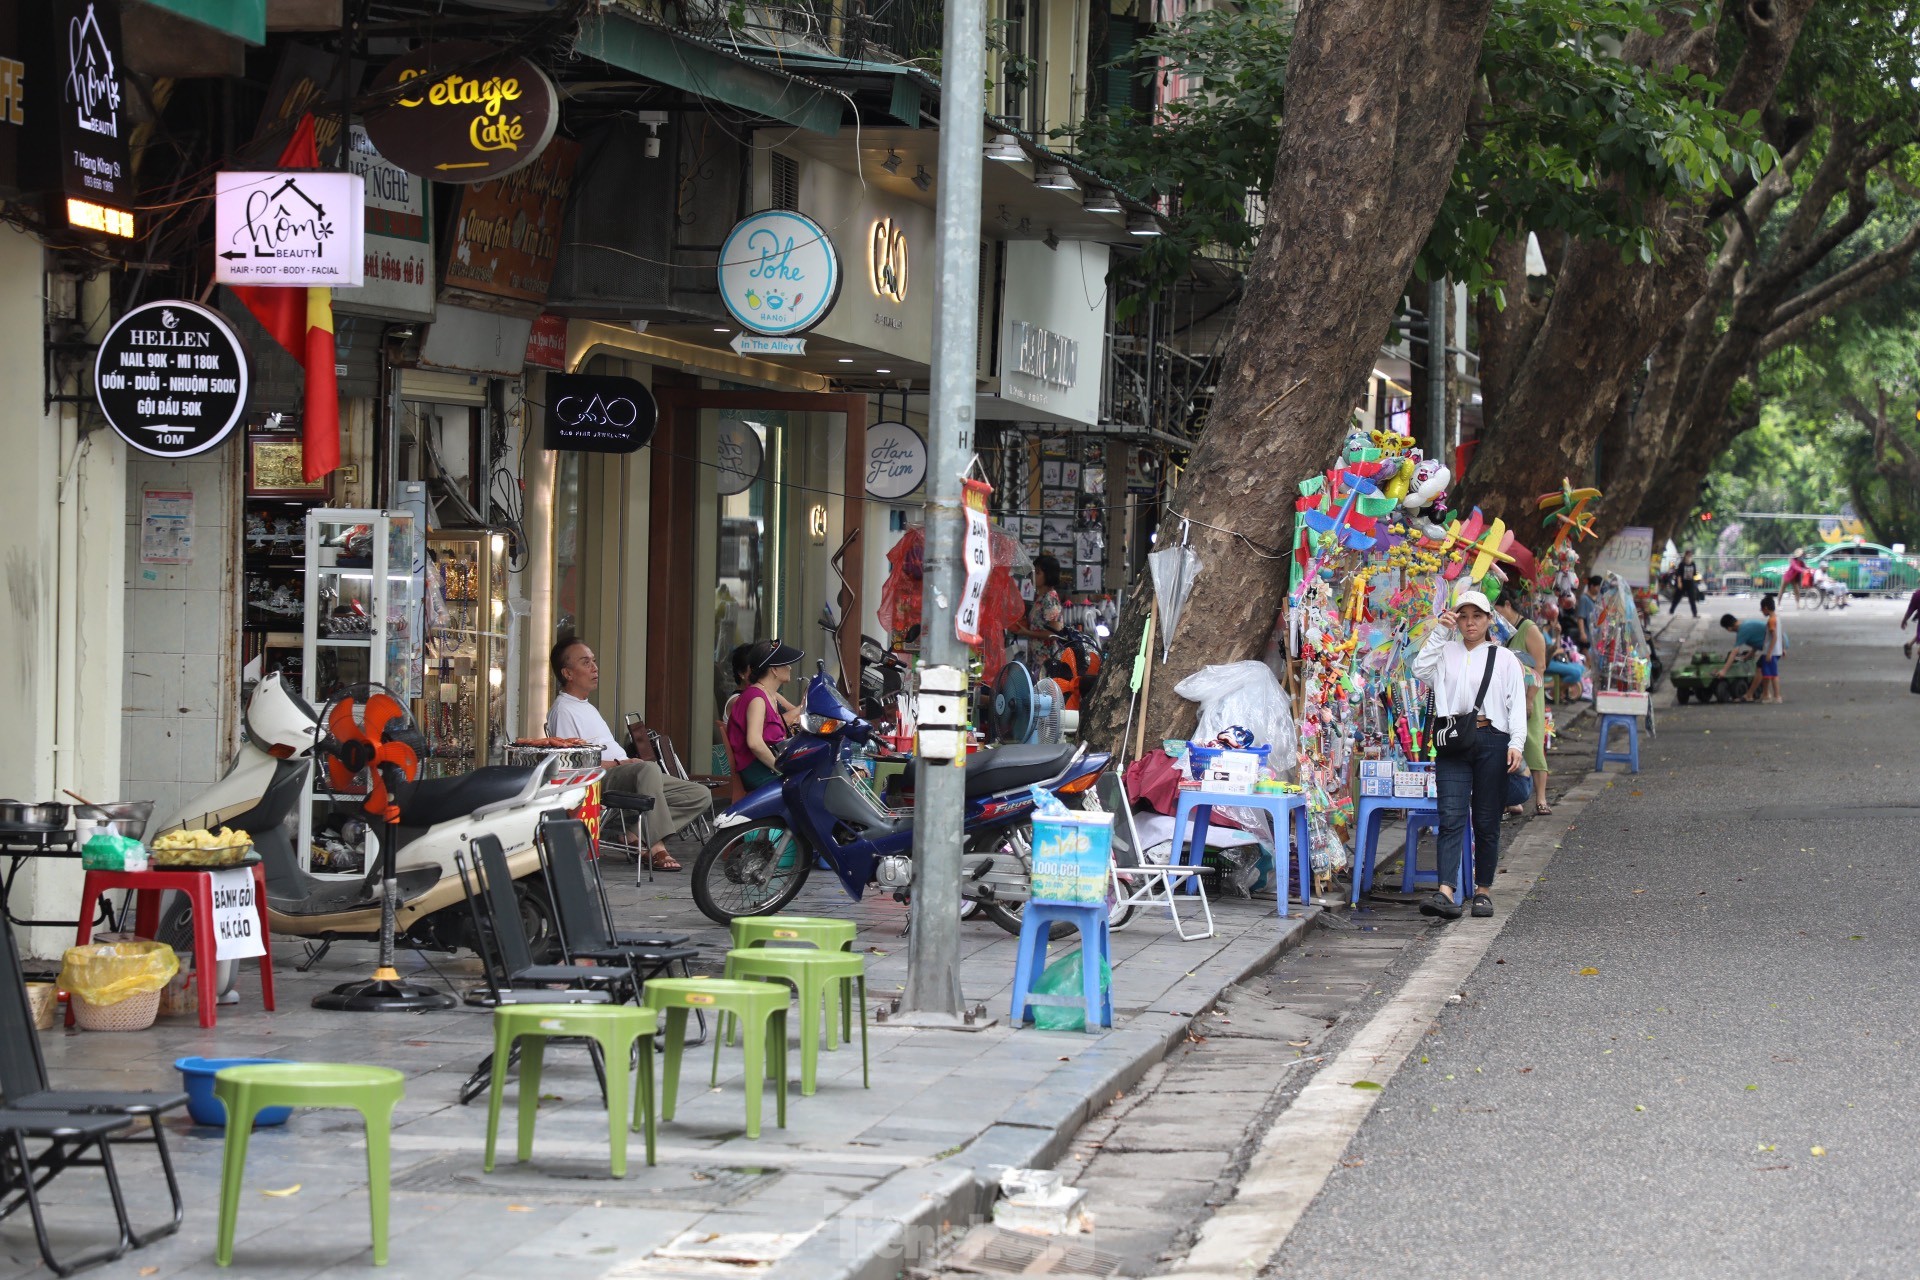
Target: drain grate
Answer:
[[584, 1182], [999, 1252]]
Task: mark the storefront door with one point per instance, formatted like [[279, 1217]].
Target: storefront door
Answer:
[[751, 518]]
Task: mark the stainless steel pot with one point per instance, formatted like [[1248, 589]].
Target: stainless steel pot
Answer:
[[562, 757], [37, 817]]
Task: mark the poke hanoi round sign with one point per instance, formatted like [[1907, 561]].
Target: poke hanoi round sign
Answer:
[[779, 273]]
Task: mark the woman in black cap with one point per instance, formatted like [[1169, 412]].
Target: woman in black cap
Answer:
[[754, 725]]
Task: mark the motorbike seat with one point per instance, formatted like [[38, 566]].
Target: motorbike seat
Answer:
[[1003, 768], [435, 800]]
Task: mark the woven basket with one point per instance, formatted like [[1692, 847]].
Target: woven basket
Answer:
[[135, 1013]]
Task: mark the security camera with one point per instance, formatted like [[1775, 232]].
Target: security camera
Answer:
[[653, 120]]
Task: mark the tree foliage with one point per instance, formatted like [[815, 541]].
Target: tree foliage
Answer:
[[1566, 135]]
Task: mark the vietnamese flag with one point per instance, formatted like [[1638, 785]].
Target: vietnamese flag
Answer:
[[301, 320]]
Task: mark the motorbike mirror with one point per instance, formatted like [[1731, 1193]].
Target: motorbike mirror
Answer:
[[820, 667]]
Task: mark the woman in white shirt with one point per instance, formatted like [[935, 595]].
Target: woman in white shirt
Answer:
[[1454, 664]]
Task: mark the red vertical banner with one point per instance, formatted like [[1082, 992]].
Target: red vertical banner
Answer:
[[976, 553]]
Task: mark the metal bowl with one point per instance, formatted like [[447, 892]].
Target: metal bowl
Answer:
[[128, 818], [35, 817]]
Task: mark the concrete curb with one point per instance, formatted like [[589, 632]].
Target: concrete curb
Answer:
[[903, 1221]]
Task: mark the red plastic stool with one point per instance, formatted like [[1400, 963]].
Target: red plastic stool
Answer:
[[198, 886]]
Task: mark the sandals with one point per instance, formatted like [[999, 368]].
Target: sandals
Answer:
[[1439, 904], [660, 861], [1543, 810], [1482, 905]]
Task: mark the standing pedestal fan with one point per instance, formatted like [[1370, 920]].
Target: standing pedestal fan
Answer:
[[1026, 710], [367, 731]]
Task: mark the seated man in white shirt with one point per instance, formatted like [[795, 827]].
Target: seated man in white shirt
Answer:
[[676, 802]]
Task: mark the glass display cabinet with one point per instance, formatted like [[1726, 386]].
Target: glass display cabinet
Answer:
[[462, 708]]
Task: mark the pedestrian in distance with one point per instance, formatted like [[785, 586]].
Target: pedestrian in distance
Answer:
[[1686, 585], [1474, 678], [1529, 644], [1913, 611], [1766, 678]]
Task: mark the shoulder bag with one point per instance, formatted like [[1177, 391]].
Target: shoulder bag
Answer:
[[1453, 735]]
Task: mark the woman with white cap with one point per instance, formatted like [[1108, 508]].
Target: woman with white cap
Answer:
[[1481, 686]]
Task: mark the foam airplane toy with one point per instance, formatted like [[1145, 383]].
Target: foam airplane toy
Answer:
[[1569, 511], [1468, 540]]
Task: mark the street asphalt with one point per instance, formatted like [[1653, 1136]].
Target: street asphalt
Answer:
[[1691, 1051]]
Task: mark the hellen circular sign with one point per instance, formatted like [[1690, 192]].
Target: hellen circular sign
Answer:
[[779, 273], [171, 378], [462, 111]]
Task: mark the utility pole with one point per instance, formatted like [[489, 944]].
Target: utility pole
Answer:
[[932, 997], [1437, 417]]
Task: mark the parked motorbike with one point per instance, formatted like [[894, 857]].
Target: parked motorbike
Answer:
[[825, 806], [268, 780]]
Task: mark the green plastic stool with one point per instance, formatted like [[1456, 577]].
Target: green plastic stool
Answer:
[[616, 1028], [816, 976], [762, 1010], [247, 1091], [823, 932]]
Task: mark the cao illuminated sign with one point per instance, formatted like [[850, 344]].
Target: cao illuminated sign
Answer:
[[887, 260]]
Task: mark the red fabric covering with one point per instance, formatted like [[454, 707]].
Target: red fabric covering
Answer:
[[1154, 780], [1002, 607]]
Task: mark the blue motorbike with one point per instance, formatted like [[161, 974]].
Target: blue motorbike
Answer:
[[826, 805]]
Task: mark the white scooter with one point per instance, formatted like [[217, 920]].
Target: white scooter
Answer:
[[439, 817]]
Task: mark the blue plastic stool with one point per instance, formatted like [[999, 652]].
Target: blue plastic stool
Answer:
[[1631, 756], [1197, 807], [1036, 921], [1422, 815]]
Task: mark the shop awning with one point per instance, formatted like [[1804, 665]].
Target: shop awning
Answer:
[[708, 70], [243, 19], [901, 93]]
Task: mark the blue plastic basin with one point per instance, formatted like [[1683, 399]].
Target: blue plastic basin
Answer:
[[196, 1075]]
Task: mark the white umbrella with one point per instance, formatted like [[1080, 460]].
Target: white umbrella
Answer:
[[1174, 570]]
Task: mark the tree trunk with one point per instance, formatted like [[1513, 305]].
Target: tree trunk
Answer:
[[1377, 95]]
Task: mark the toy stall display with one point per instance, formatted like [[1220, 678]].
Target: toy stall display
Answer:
[[1622, 658]]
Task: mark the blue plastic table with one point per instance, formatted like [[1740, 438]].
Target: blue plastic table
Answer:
[[1421, 813], [1198, 806]]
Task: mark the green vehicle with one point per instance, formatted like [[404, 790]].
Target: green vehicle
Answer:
[[1701, 678], [1861, 566]]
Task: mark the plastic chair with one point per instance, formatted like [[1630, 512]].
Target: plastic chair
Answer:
[[1631, 756], [617, 1029], [246, 1091], [1036, 921], [1422, 815], [762, 1010], [817, 977]]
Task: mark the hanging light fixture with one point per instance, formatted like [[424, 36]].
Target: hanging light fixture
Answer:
[[1100, 200], [921, 178], [1006, 148], [1054, 177], [892, 163], [1144, 224]]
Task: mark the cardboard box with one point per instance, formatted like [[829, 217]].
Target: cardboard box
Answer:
[[1411, 785], [1376, 769], [1233, 772], [1071, 854], [1376, 786]]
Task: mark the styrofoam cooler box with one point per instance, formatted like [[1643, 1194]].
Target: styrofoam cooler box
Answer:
[[1071, 853], [1620, 704]]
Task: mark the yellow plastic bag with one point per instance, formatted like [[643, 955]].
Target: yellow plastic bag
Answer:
[[106, 973]]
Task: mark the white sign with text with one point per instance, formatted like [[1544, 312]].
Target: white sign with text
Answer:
[[236, 916], [300, 227]]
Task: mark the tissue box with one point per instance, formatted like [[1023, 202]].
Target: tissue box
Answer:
[[1375, 786], [1234, 772]]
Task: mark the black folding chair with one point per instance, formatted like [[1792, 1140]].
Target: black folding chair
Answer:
[[69, 1137], [26, 1091], [516, 951], [650, 744], [586, 930], [499, 989]]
